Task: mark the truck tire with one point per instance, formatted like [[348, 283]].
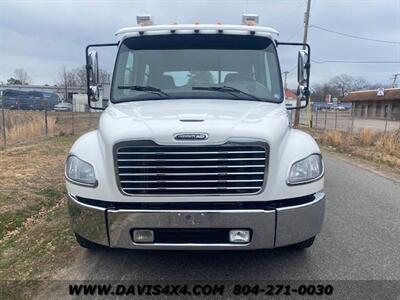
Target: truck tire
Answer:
[[303, 245], [84, 243]]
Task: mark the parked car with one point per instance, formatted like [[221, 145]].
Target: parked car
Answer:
[[63, 106], [344, 106]]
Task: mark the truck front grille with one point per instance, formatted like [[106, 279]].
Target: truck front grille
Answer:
[[145, 168]]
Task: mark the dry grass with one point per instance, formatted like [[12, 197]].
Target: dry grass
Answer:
[[333, 137], [390, 143], [25, 125], [378, 147], [35, 238], [29, 126], [366, 137]]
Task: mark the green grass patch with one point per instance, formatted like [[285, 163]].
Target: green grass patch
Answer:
[[14, 218], [50, 194]]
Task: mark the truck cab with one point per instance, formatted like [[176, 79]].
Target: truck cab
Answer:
[[195, 149]]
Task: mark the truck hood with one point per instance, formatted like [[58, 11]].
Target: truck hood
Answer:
[[160, 120]]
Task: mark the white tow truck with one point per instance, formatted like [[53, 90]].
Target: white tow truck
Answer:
[[195, 149]]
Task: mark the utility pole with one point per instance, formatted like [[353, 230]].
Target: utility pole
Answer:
[[395, 76], [285, 80], [306, 25]]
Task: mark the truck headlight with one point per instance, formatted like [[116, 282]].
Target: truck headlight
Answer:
[[306, 170], [80, 172]]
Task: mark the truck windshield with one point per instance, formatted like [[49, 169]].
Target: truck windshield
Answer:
[[197, 66]]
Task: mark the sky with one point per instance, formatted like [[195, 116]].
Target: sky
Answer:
[[43, 36]]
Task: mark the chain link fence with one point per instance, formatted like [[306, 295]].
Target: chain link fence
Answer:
[[351, 120], [26, 126]]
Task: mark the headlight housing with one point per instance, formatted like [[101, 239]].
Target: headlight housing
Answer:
[[80, 172], [306, 170]]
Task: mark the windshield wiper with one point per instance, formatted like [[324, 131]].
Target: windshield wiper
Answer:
[[143, 88], [228, 89]]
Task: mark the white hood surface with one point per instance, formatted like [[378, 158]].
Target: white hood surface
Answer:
[[160, 120]]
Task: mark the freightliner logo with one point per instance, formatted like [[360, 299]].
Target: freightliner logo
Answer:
[[191, 136]]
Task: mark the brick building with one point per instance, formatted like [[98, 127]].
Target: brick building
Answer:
[[376, 104]]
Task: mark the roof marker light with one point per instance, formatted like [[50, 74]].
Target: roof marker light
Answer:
[[144, 20], [249, 19]]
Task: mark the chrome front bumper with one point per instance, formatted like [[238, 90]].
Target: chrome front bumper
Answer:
[[271, 228]]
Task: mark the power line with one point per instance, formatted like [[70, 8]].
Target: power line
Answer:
[[291, 69], [295, 34], [356, 61], [289, 16], [289, 73], [354, 36]]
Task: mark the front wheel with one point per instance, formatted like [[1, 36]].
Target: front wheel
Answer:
[[84, 243], [303, 245]]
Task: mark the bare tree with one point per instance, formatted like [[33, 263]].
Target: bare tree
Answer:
[[66, 79], [21, 75], [338, 85], [77, 78], [345, 83], [80, 76], [319, 91], [104, 77]]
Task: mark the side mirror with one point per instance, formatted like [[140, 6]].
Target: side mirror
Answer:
[[93, 76], [303, 74], [302, 68], [303, 71], [93, 66]]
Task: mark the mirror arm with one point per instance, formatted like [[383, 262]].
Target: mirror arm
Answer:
[[88, 67]]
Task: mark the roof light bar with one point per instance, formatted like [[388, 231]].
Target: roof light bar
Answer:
[[144, 20], [191, 27], [250, 19]]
